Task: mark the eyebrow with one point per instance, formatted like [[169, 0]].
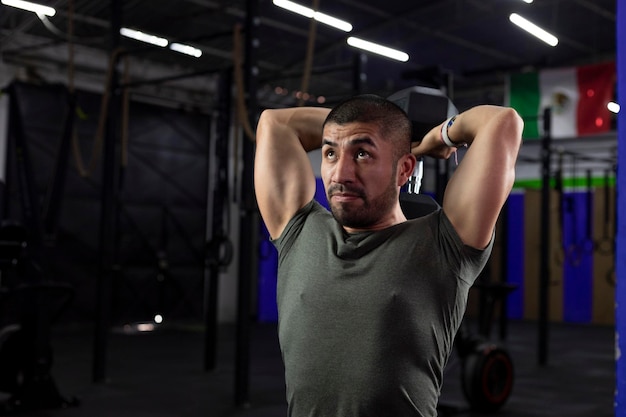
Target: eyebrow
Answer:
[[352, 142]]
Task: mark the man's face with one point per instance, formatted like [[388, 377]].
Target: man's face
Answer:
[[359, 174]]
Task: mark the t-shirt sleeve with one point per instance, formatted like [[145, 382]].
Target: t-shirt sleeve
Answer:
[[469, 261], [291, 231]]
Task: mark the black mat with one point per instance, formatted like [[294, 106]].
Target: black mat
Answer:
[[159, 374]]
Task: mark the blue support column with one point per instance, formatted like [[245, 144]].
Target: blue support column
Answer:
[[620, 262]]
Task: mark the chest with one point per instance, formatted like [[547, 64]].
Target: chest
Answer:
[[382, 285]]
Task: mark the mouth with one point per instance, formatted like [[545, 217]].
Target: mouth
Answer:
[[339, 193], [345, 197]]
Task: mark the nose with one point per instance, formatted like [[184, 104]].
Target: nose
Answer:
[[343, 170]]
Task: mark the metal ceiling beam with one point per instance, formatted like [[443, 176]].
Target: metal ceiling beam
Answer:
[[388, 19], [232, 11], [597, 9]]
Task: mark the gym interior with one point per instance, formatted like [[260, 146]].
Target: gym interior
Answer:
[[136, 277]]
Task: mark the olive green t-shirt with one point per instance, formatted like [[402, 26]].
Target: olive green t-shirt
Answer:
[[367, 320]]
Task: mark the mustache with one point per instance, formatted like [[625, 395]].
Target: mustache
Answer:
[[342, 188]]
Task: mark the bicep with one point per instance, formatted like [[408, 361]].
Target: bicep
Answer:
[[480, 186], [283, 178]]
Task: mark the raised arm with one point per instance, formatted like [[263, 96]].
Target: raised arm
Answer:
[[483, 180], [283, 178]]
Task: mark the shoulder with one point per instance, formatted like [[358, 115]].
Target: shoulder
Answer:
[[310, 218]]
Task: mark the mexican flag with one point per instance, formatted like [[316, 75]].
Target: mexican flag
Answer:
[[577, 97]]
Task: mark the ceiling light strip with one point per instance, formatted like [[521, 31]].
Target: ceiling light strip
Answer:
[[312, 14], [378, 49], [332, 21], [144, 37], [533, 29], [295, 7], [31, 7], [186, 49]]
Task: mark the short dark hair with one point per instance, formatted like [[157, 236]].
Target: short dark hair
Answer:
[[392, 121]]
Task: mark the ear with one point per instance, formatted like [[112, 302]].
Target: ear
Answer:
[[406, 166]]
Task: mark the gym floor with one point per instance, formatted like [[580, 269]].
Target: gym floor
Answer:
[[159, 374]]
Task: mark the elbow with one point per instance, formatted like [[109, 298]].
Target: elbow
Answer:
[[261, 124], [511, 117], [267, 120], [266, 117], [511, 126], [516, 122], [512, 123]]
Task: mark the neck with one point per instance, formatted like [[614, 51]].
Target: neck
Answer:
[[395, 216]]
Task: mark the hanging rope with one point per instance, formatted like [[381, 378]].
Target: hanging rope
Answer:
[[308, 62], [104, 104], [104, 108]]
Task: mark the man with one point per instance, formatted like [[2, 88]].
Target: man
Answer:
[[369, 303]]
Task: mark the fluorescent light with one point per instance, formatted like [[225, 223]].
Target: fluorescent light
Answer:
[[144, 37], [186, 49], [332, 21], [31, 7], [533, 29], [527, 1], [312, 14], [378, 49], [295, 7], [613, 107]]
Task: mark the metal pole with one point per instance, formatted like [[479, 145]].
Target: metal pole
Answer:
[[359, 76], [249, 225], [504, 268], [107, 215], [53, 199], [545, 247], [218, 233]]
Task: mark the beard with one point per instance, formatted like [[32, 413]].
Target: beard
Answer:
[[369, 212]]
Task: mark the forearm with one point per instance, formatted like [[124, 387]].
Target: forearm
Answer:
[[301, 123], [489, 122], [483, 180]]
